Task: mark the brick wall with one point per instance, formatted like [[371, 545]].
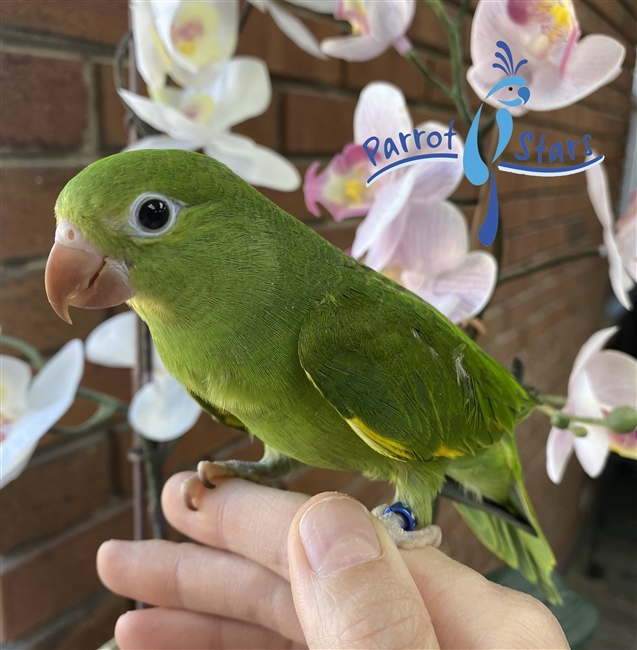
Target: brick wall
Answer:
[[60, 112]]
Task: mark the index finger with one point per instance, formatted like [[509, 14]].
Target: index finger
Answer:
[[245, 518]]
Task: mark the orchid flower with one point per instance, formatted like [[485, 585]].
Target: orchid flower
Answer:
[[190, 41], [162, 409], [29, 408], [619, 239], [292, 27], [560, 69], [202, 120], [600, 381], [410, 233], [376, 25]]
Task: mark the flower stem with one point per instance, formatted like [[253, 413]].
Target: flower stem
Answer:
[[522, 273], [31, 353], [428, 75], [553, 400], [550, 411], [453, 29]]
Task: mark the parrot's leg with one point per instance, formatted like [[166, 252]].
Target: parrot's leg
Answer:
[[407, 539], [416, 487], [271, 467]]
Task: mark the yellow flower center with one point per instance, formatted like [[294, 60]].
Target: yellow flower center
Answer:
[[354, 12], [556, 20], [195, 33], [355, 189], [199, 108]]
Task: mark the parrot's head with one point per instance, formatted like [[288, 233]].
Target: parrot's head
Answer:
[[132, 223], [513, 89]]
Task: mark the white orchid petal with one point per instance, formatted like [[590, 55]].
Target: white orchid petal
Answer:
[[18, 466], [592, 450], [54, 387], [471, 285], [559, 449], [381, 252], [613, 378], [113, 342], [240, 92], [163, 410], [594, 344], [162, 142], [436, 238], [165, 118], [599, 194], [620, 281], [353, 48], [320, 6], [388, 204], [256, 164], [389, 19], [438, 179], [50, 396], [295, 30], [381, 111], [151, 59], [15, 377]]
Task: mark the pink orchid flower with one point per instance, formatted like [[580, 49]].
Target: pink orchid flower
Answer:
[[376, 26], [601, 380], [619, 239], [560, 69], [411, 233]]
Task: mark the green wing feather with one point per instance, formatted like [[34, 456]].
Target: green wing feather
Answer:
[[220, 415], [403, 375]]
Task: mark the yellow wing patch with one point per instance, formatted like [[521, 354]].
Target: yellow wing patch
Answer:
[[445, 452], [379, 443]]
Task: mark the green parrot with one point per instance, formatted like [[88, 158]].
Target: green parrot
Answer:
[[275, 331]]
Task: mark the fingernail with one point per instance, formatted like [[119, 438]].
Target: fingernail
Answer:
[[337, 533]]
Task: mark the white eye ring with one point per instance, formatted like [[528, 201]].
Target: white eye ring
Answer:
[[153, 214]]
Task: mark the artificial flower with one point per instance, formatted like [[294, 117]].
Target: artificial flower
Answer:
[[190, 41], [29, 408], [376, 26], [202, 120], [560, 69], [162, 409], [619, 240], [601, 380]]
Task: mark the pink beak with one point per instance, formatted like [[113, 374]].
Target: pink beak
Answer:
[[77, 274]]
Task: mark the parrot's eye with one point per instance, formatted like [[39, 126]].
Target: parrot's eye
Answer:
[[153, 214]]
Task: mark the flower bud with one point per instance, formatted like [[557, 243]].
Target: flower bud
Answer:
[[560, 420], [622, 420], [578, 431]]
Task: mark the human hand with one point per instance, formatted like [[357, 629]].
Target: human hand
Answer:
[[280, 570]]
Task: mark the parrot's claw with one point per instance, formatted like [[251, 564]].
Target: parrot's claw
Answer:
[[208, 471], [407, 539]]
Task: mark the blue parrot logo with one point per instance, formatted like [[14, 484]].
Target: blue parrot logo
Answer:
[[475, 168]]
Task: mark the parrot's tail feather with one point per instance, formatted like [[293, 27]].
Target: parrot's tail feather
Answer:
[[530, 555]]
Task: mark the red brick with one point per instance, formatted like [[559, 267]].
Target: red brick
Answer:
[[111, 111], [50, 579], [264, 129], [292, 202], [390, 67], [26, 202], [49, 496], [27, 314], [43, 102], [315, 124], [102, 21], [261, 37]]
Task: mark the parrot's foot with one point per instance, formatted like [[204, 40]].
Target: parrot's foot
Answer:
[[400, 523], [264, 473]]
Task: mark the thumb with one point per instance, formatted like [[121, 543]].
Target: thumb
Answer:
[[350, 585]]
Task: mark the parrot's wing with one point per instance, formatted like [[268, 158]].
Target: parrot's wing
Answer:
[[220, 415], [407, 381]]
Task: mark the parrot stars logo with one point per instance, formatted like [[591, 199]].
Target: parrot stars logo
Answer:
[[513, 91]]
